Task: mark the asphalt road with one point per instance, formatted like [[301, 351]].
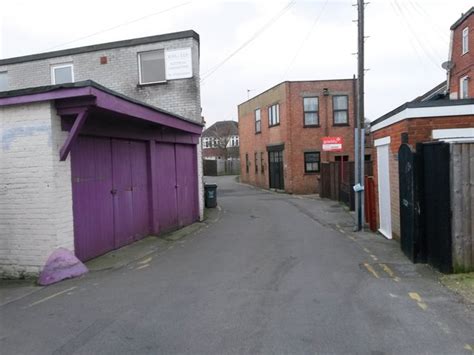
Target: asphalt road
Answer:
[[275, 274]]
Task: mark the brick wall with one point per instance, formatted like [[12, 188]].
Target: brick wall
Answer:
[[419, 130], [35, 188], [463, 63], [304, 139], [291, 131], [181, 97], [251, 143]]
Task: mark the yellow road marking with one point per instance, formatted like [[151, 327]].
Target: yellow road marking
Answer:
[[469, 347], [387, 270], [52, 296], [342, 231], [371, 270], [367, 250], [351, 238], [373, 257], [416, 297], [142, 267], [422, 305], [146, 261]]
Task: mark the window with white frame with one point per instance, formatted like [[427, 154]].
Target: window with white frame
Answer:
[[465, 40], [258, 121], [62, 73], [274, 115], [340, 106], [234, 141], [151, 67], [463, 83], [3, 80]]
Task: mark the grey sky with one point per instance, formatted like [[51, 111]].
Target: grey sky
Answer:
[[409, 39]]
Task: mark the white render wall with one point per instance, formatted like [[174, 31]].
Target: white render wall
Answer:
[[35, 189]]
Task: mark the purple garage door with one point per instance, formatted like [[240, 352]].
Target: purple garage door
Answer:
[[91, 171], [165, 180], [187, 184], [110, 194], [176, 179]]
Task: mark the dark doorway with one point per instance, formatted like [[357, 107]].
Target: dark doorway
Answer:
[[409, 206], [276, 169]]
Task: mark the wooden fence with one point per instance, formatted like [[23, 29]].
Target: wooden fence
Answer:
[[337, 179], [462, 206], [221, 167]]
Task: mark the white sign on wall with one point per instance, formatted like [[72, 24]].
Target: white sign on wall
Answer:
[[179, 64]]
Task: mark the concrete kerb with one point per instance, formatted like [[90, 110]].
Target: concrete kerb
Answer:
[[149, 245]]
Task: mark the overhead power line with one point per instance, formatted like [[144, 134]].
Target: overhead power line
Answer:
[[120, 25], [247, 42], [430, 55], [316, 20]]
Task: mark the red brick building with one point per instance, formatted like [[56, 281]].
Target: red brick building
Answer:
[[446, 111], [461, 65], [281, 132]]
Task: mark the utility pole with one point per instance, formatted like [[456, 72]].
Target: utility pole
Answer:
[[360, 131]]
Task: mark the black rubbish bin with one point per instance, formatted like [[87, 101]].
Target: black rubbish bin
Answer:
[[210, 193]]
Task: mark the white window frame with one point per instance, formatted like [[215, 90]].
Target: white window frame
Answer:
[[258, 119], [465, 40], [59, 66], [140, 67], [461, 81], [274, 115]]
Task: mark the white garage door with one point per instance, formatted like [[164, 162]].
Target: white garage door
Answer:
[[383, 172]]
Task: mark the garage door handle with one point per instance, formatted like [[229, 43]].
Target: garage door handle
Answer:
[[113, 191]]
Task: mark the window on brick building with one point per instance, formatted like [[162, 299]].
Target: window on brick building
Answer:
[[340, 107], [342, 158], [258, 121], [274, 115], [311, 114], [261, 162], [463, 92], [62, 73], [3, 80], [311, 162], [256, 163], [465, 40], [151, 67]]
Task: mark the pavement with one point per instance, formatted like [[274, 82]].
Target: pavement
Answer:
[[268, 273]]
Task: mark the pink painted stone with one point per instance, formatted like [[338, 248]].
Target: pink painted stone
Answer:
[[61, 264]]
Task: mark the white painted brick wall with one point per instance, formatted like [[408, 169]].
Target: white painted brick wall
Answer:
[[35, 189]]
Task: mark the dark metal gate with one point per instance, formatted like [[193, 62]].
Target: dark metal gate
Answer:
[[425, 211], [276, 169]]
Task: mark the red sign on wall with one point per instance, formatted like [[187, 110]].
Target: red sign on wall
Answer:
[[332, 144]]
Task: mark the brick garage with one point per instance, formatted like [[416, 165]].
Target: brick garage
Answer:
[[415, 122], [291, 132], [448, 106]]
